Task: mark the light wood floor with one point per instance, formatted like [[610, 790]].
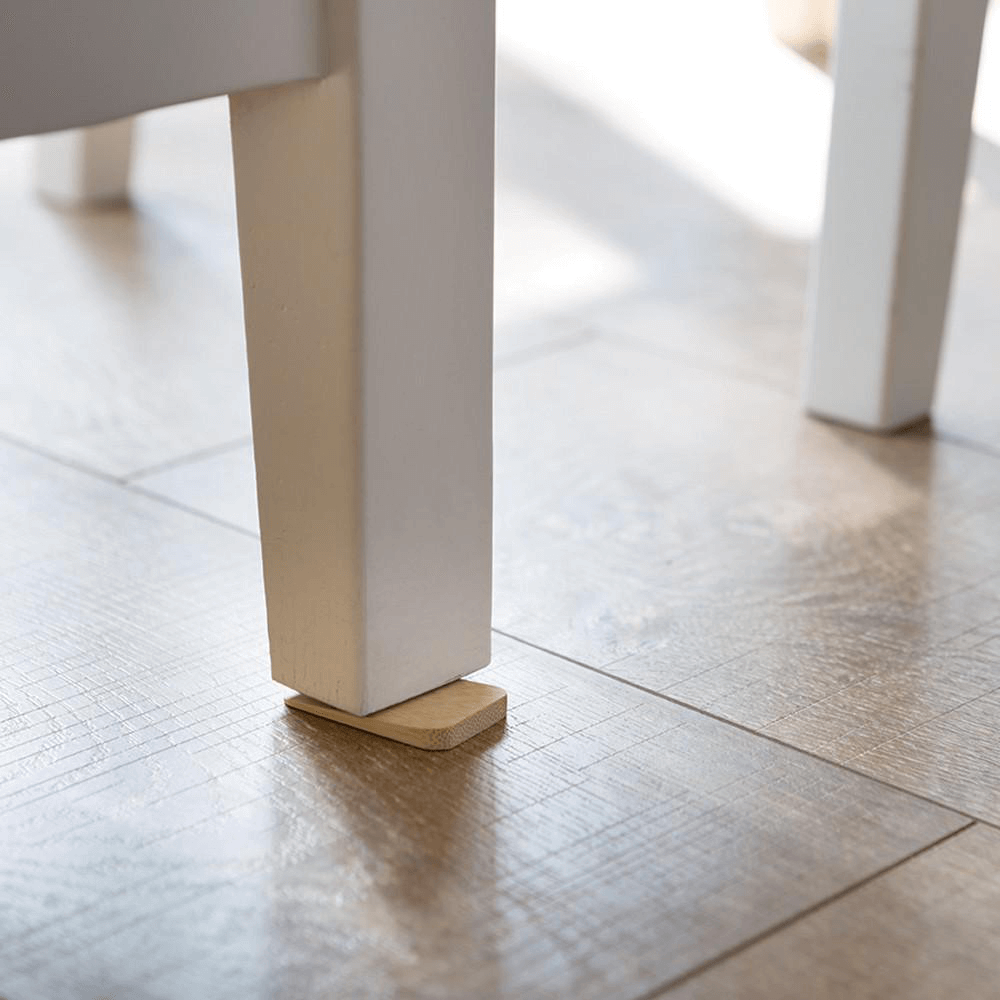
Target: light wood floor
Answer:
[[753, 660]]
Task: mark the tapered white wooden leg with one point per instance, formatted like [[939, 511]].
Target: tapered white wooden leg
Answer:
[[82, 167], [905, 82], [365, 205]]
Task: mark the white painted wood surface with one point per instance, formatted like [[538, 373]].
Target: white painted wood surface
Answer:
[[905, 82], [66, 64], [80, 167], [365, 205]]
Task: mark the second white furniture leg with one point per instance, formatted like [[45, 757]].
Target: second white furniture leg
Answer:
[[365, 205], [85, 166], [905, 82]]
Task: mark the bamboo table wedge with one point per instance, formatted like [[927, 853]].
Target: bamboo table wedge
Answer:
[[438, 720]]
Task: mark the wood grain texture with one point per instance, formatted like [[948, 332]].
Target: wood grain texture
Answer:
[[923, 931], [438, 720], [700, 539], [950, 756], [834, 590], [670, 496], [171, 830]]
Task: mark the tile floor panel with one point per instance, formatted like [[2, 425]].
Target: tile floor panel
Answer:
[[922, 931], [170, 829]]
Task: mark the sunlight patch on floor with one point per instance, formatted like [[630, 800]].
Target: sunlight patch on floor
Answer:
[[548, 261], [704, 86]]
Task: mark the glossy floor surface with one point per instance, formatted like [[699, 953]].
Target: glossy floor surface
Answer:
[[753, 660]]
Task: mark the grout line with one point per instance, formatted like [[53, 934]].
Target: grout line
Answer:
[[582, 336], [176, 504], [123, 482], [528, 355], [67, 463], [195, 456], [585, 335], [747, 729], [959, 441], [663, 990]]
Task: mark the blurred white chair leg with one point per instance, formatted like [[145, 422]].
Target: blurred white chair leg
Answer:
[[803, 25], [905, 82], [84, 167]]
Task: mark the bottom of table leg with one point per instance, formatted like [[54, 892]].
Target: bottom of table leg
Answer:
[[437, 720]]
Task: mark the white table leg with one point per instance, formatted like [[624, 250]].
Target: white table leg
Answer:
[[905, 82], [82, 167], [365, 205]]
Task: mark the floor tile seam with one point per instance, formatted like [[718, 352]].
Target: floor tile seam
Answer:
[[121, 482], [969, 444], [137, 489], [140, 491], [210, 451], [740, 727], [663, 991], [706, 670], [67, 463]]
